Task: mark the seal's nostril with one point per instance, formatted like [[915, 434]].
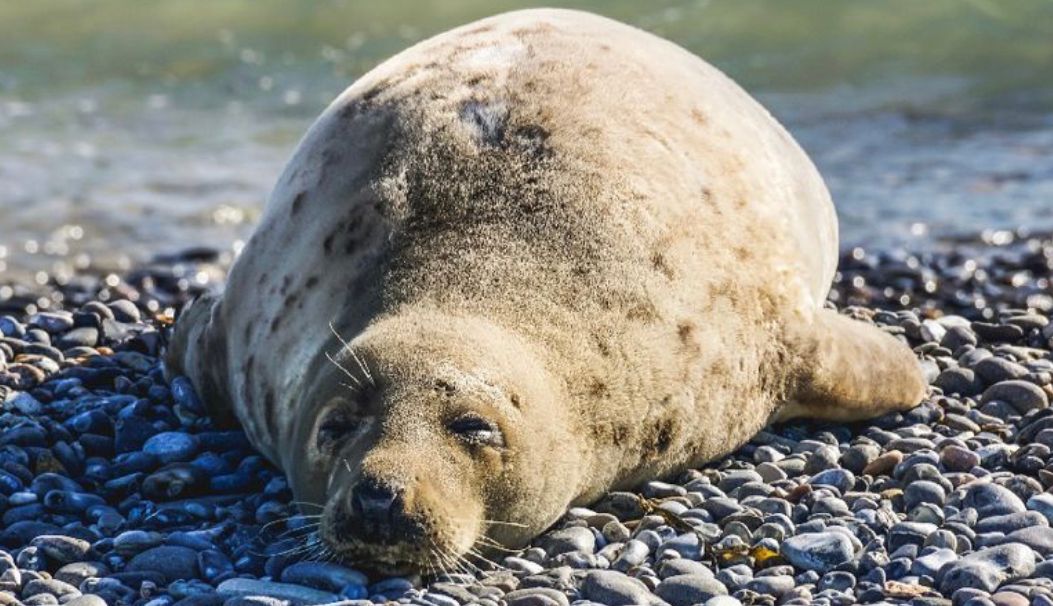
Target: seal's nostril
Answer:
[[373, 500]]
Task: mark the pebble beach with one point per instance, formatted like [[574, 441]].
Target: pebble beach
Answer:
[[116, 488]]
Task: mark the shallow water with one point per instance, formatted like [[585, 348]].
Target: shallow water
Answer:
[[134, 128]]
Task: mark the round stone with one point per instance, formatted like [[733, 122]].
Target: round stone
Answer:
[[61, 549], [1021, 395], [688, 589], [990, 499], [615, 589], [170, 561], [819, 551], [987, 569], [574, 538], [172, 446]]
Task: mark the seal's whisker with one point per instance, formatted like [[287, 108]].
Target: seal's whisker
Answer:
[[362, 366], [440, 559], [429, 565], [327, 554], [476, 554], [294, 550], [345, 371], [501, 523], [298, 533], [470, 568], [492, 544], [452, 562], [308, 503], [354, 356], [285, 519]]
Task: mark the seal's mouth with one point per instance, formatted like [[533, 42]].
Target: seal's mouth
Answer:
[[397, 559]]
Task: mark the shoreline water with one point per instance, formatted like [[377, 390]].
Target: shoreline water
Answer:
[[114, 484]]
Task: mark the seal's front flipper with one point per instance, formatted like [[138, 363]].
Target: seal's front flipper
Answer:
[[853, 371], [197, 349]]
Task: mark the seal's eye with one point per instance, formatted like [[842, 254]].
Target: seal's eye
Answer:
[[474, 429], [335, 428]]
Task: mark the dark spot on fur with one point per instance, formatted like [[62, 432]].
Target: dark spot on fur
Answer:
[[444, 387], [663, 436], [327, 244], [291, 299], [620, 434], [516, 401], [533, 141], [598, 389], [352, 110], [698, 116], [486, 121], [660, 264], [311, 282], [247, 332], [684, 330], [269, 416], [276, 322], [248, 368], [643, 311], [286, 282], [371, 94], [297, 202], [605, 47]]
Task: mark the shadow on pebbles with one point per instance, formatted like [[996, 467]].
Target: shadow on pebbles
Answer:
[[116, 489]]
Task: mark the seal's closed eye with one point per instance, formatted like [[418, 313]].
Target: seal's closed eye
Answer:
[[476, 430], [336, 426]]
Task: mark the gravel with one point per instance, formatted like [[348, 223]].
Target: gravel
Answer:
[[115, 487]]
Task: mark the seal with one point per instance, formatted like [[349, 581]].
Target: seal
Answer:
[[520, 264]]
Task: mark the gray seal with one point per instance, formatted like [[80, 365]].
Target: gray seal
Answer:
[[525, 262]]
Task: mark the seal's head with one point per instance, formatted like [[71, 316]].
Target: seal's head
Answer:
[[444, 437]]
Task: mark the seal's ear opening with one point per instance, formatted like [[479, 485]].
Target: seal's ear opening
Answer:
[[197, 350]]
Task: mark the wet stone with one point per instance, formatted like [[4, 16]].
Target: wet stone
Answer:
[[1023, 396], [76, 573], [987, 569], [293, 593], [616, 589], [687, 589], [87, 600], [841, 479], [1038, 538], [322, 575], [573, 539], [995, 369], [956, 458], [49, 586], [990, 499], [171, 562], [1010, 522], [858, 456], [172, 446], [86, 336], [536, 596], [818, 551]]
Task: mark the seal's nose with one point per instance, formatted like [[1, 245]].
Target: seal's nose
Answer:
[[373, 501]]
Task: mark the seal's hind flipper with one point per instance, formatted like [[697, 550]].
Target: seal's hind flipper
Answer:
[[853, 371]]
